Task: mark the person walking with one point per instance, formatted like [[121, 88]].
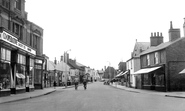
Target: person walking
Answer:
[[76, 80], [85, 82], [54, 84]]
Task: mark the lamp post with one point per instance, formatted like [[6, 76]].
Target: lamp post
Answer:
[[65, 55], [109, 69]]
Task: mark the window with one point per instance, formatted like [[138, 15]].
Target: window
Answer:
[[5, 54], [5, 4], [160, 80], [156, 58], [148, 59], [18, 4], [21, 71], [35, 41], [17, 29], [21, 59], [5, 72]]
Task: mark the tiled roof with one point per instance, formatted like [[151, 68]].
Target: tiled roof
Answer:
[[79, 64], [140, 47], [73, 65], [161, 46]]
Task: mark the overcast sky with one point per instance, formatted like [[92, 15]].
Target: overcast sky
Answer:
[[100, 32]]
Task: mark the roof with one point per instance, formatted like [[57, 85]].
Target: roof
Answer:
[[79, 64], [139, 48], [50, 65], [73, 65], [161, 46], [62, 66]]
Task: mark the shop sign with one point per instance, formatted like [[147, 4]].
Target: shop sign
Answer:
[[38, 61], [14, 41]]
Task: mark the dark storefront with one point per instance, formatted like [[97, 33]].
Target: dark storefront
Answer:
[[151, 78], [16, 65]]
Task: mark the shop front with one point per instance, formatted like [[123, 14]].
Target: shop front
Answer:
[[151, 78], [38, 75], [16, 69]]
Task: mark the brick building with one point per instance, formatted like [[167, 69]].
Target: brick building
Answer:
[[162, 62], [21, 45]]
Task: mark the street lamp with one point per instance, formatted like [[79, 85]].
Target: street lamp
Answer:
[[65, 55], [109, 69]]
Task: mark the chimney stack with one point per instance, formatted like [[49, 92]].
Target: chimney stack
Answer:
[[156, 39], [174, 34], [184, 27], [61, 58], [55, 61]]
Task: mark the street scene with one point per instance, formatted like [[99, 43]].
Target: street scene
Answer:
[[97, 97], [92, 55]]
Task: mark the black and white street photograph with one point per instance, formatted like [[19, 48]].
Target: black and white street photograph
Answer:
[[92, 55]]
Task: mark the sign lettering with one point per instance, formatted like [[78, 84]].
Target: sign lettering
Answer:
[[13, 40]]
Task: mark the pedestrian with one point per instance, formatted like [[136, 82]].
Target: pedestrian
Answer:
[[85, 82], [54, 84], [76, 80]]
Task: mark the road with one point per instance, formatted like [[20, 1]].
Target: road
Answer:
[[97, 97]]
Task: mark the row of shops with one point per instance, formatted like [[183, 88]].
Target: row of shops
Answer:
[[20, 68]]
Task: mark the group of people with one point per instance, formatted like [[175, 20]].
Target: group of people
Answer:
[[76, 81]]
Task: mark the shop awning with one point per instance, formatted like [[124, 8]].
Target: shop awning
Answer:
[[182, 72], [119, 74], [146, 70], [124, 73]]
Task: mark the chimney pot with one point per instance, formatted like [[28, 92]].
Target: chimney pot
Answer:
[[171, 25], [154, 34], [161, 35], [151, 34]]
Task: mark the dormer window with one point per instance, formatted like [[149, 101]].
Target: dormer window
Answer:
[[18, 4]]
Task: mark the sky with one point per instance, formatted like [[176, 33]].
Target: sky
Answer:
[[102, 32]]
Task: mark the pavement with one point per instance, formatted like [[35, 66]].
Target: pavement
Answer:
[[178, 94], [45, 91], [29, 95]]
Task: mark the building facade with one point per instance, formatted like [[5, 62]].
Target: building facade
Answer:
[[21, 44], [161, 64], [133, 64]]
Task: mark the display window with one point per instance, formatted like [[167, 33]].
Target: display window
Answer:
[[160, 79], [5, 69], [38, 72], [21, 71]]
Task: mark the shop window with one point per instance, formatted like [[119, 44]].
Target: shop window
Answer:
[[18, 4], [38, 72], [20, 76], [147, 80], [5, 54], [21, 59], [4, 75], [21, 71], [160, 80]]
